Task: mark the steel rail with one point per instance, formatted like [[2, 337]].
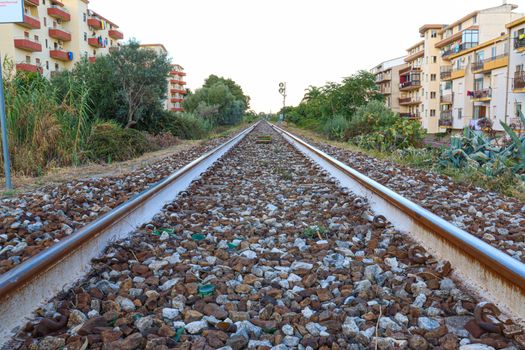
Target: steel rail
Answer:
[[500, 264], [33, 269]]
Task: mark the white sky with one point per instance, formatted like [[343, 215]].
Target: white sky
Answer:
[[259, 43]]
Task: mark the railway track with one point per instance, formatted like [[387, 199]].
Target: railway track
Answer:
[[264, 248]]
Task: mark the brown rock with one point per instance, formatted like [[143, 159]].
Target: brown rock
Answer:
[[215, 310], [132, 342], [243, 288], [192, 315], [215, 338], [110, 335]]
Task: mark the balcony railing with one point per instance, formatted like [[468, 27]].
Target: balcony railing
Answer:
[[458, 49], [445, 118], [94, 23], [116, 34], [96, 42], [405, 101], [480, 65], [519, 43], [59, 12], [61, 55], [481, 94], [176, 100], [519, 80], [178, 91], [28, 67], [60, 33], [410, 84], [32, 2], [447, 98], [30, 22], [92, 59], [27, 44], [177, 109], [410, 115]]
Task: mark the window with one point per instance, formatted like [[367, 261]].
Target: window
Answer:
[[460, 26], [470, 38], [44, 2], [433, 77], [57, 66], [37, 61], [46, 44], [432, 112], [479, 56], [85, 36], [475, 19], [478, 84], [517, 109], [448, 85], [434, 59], [47, 65], [28, 59], [460, 113], [519, 67], [433, 34], [494, 51], [432, 94], [26, 35], [45, 21], [84, 15]]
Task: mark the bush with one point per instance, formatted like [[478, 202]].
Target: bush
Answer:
[[371, 117], [336, 128], [188, 126], [109, 142], [162, 140]]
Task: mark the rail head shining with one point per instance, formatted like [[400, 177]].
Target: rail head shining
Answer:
[[492, 258], [24, 273]]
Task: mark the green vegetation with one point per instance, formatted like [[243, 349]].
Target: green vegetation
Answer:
[[352, 112], [108, 110]]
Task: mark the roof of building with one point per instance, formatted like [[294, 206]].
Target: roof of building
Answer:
[[104, 18], [507, 7], [155, 45], [416, 45], [516, 22], [426, 27]]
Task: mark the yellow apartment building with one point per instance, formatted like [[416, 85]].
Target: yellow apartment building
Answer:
[[410, 82], [176, 82], [54, 35], [472, 73], [516, 73], [387, 80]]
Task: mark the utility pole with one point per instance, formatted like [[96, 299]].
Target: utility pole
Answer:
[[3, 126], [282, 91]]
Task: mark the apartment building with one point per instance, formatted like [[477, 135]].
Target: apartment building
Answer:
[[473, 75], [177, 88], [387, 80], [176, 83], [55, 34], [516, 73]]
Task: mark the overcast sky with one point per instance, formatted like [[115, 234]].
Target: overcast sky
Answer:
[[259, 43]]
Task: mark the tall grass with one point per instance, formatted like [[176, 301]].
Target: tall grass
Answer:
[[44, 132]]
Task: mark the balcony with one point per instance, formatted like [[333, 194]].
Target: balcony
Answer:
[[57, 2], [27, 44], [410, 115], [116, 34], [447, 99], [60, 33], [410, 85], [60, 55], [32, 2], [383, 77], [178, 91], [92, 59], [177, 109], [519, 44], [94, 23], [409, 101], [445, 73], [457, 49], [59, 12], [30, 22], [177, 82], [445, 119], [490, 64], [518, 83], [28, 67], [96, 42], [176, 100], [483, 95]]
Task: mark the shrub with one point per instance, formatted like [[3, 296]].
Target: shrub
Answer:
[[109, 142], [371, 117], [189, 126], [336, 128], [161, 140]]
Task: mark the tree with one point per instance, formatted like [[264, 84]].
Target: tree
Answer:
[[141, 75], [234, 88]]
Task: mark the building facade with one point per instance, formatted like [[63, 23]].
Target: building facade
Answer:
[[176, 82], [55, 34], [516, 83], [387, 80]]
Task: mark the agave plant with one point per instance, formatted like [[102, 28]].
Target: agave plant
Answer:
[[518, 145]]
